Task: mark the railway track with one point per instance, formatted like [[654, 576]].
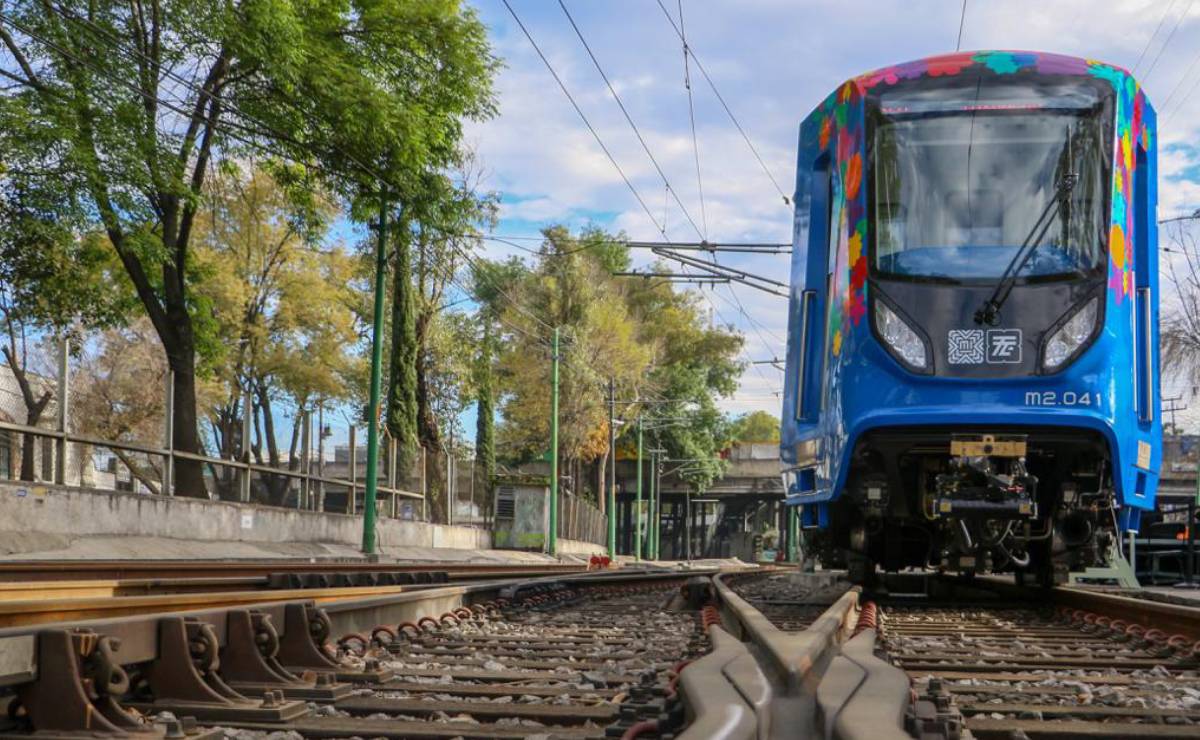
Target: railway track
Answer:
[[606, 654], [550, 657], [1038, 673]]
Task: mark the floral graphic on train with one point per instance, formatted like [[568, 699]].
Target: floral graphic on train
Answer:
[[842, 128]]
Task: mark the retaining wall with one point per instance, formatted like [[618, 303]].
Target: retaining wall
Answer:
[[38, 517]]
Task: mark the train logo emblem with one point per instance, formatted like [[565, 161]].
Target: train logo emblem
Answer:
[[1004, 346], [966, 346], [976, 347]]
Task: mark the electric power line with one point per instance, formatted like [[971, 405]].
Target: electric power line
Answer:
[[1154, 35], [766, 170], [636, 131], [562, 86], [1170, 36], [962, 19], [687, 84]]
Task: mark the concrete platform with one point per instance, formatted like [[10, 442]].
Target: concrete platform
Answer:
[[40, 521]]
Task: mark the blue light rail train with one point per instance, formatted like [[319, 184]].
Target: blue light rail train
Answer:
[[972, 368]]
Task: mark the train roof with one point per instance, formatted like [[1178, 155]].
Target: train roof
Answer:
[[1000, 63]]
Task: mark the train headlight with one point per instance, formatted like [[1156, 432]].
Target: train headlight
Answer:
[[902, 339], [1073, 334]]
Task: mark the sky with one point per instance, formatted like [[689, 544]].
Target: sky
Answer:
[[772, 61]]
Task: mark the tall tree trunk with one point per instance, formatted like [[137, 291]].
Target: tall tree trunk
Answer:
[[277, 485], [485, 416], [185, 430], [428, 432], [401, 413]]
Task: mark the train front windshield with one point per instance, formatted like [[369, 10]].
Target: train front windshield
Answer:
[[961, 175]]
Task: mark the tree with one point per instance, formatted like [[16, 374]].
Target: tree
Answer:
[[571, 288], [55, 279], [694, 364], [1180, 331], [119, 388], [441, 226], [138, 99], [491, 282], [281, 300], [485, 409], [755, 426]]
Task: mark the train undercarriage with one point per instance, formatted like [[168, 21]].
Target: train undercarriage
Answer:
[[1038, 503]]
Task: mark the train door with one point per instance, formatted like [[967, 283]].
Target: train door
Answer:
[[1145, 329], [814, 302]]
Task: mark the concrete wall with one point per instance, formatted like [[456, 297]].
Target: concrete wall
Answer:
[[39, 520], [54, 516]]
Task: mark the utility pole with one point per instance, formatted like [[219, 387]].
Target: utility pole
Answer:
[[372, 482], [657, 536], [552, 535], [650, 554], [637, 511], [612, 468]]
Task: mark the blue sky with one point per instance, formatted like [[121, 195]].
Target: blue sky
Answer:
[[772, 60]]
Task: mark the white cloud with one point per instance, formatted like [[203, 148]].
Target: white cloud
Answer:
[[773, 60]]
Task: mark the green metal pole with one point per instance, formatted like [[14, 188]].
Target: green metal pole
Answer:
[[637, 511], [649, 515], [658, 510], [368, 537], [653, 518], [552, 535], [611, 509]]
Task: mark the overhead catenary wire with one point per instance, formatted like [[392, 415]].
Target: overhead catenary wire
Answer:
[[1162, 19], [962, 19], [1170, 36], [636, 131], [583, 116], [744, 354], [1182, 78], [687, 84], [728, 111]]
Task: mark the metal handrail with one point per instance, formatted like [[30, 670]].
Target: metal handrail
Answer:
[[70, 438]]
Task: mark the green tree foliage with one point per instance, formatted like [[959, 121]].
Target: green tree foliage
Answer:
[[485, 409], [280, 300], [134, 101], [755, 426], [56, 278], [441, 225], [694, 365], [651, 340]]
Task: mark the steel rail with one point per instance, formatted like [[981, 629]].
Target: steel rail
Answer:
[[350, 609], [52, 570]]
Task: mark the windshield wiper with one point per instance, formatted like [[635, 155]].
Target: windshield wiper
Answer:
[[989, 313]]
